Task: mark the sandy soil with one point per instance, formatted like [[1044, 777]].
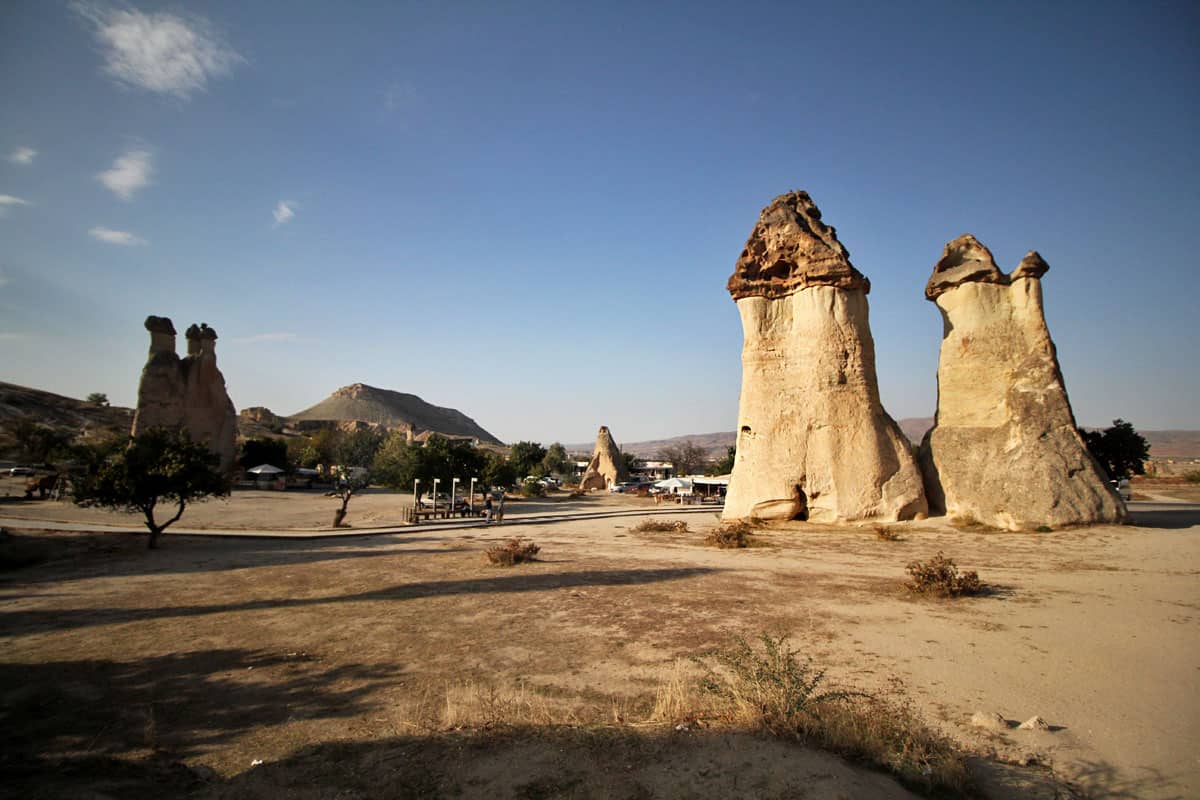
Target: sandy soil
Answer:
[[342, 664]]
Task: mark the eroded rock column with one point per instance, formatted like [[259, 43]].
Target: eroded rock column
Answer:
[[606, 467], [186, 392], [814, 441], [1004, 449]]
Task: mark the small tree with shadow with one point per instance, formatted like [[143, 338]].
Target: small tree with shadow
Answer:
[[348, 483], [161, 465]]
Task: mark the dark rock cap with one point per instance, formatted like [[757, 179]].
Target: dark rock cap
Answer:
[[790, 249], [966, 260], [201, 331], [159, 325]]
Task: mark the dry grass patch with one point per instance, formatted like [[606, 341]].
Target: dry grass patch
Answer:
[[512, 552], [732, 535], [770, 687], [661, 526], [939, 576], [885, 534]]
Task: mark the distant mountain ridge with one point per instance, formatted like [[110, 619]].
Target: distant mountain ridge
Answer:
[[392, 409], [1163, 444]]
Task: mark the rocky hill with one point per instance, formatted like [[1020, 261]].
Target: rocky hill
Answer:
[[394, 410], [66, 415]]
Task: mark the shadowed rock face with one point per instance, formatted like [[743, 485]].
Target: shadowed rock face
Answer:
[[1004, 449], [814, 441], [606, 467], [186, 392]]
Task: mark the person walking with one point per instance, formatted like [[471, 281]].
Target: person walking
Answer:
[[487, 508], [500, 510]]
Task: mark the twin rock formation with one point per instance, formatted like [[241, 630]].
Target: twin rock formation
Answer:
[[187, 393], [814, 441]]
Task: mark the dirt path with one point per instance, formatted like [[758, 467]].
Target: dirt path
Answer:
[[305, 654]]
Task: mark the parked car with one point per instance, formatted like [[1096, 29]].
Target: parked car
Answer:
[[15, 471], [1123, 489]]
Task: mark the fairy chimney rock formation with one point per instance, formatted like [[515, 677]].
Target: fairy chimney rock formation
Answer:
[[606, 468], [1004, 449], [814, 441], [186, 392]]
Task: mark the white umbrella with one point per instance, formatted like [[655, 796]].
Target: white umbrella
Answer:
[[264, 469], [674, 483]]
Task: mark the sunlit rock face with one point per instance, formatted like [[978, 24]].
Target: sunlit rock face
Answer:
[[186, 392], [814, 441], [606, 468], [1004, 449]]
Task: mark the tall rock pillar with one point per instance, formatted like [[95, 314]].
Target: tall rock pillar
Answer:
[[606, 467], [814, 441], [1004, 449]]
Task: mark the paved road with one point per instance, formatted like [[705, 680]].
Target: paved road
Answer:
[[324, 533]]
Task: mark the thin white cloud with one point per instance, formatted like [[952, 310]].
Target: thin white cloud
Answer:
[[284, 211], [159, 52], [258, 338], [398, 96], [12, 337], [7, 201], [115, 237], [130, 172], [22, 155]]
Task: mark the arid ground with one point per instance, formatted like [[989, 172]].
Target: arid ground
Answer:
[[405, 665]]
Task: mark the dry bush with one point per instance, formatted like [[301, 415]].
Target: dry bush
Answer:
[[771, 688], [731, 535], [513, 551], [661, 526], [939, 576], [885, 534], [1193, 476]]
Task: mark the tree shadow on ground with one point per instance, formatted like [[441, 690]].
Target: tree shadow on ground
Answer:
[[181, 703], [25, 622], [1173, 518], [60, 557]]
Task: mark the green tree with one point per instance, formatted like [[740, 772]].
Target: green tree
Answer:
[[161, 465], [525, 457], [398, 464], [555, 460], [264, 450], [498, 471], [358, 448], [632, 463], [1119, 449], [347, 482], [725, 465], [97, 399], [687, 457], [40, 444]]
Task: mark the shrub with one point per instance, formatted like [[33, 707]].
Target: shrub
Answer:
[[661, 526], [532, 489], [513, 551], [885, 534], [773, 689], [730, 535], [1193, 476], [940, 576], [1044, 529]]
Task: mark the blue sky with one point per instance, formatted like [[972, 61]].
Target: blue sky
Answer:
[[528, 211]]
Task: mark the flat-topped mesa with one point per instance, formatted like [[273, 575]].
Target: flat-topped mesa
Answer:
[[1004, 449], [791, 248], [606, 468], [186, 393], [814, 441]]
